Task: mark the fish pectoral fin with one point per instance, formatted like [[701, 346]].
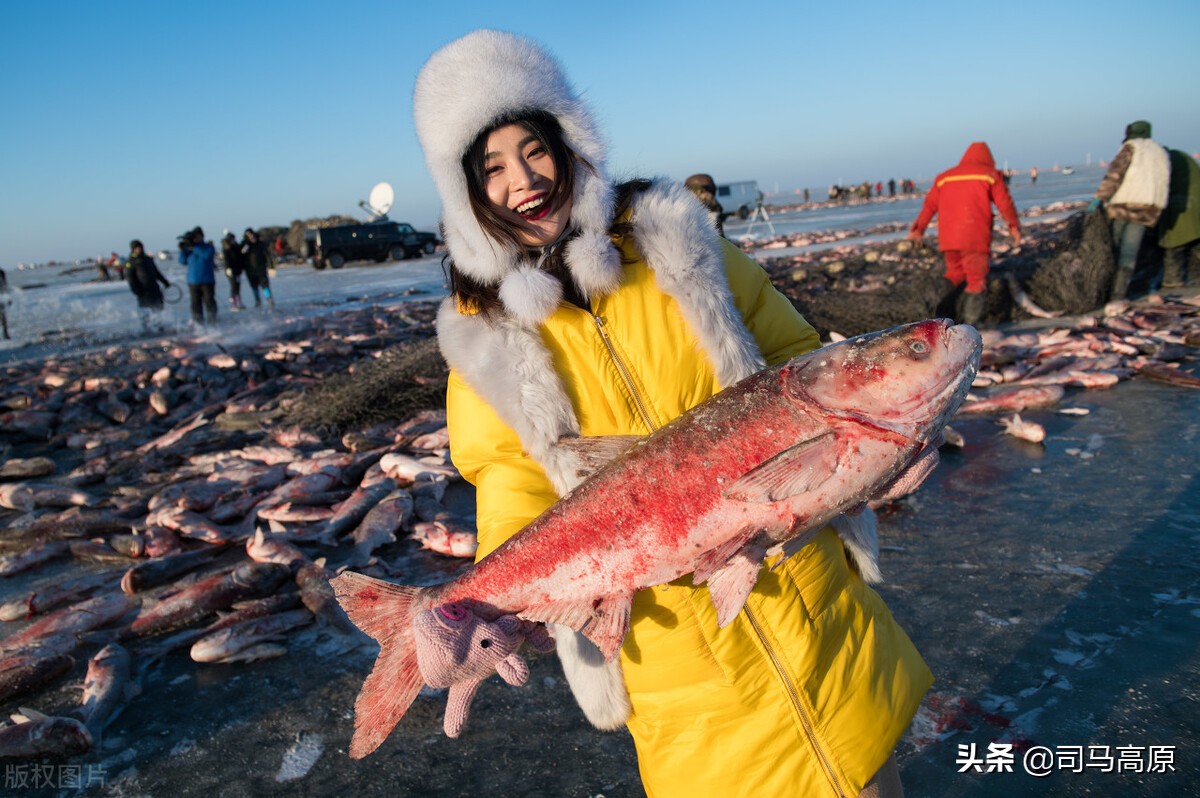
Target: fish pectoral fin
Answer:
[[595, 452], [792, 472], [574, 614], [604, 621], [910, 477], [610, 623], [730, 585], [715, 559]]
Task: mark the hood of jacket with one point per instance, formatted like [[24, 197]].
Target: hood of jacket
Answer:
[[463, 90], [978, 154]]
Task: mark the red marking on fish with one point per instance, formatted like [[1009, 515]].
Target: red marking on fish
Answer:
[[762, 463]]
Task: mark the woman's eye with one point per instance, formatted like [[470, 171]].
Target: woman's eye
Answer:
[[536, 152], [492, 170]]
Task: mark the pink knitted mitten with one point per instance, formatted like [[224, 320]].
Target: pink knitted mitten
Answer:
[[458, 649]]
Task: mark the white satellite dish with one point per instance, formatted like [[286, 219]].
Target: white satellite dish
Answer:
[[380, 201]]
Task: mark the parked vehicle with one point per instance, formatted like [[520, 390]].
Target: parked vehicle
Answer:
[[740, 198], [377, 241]]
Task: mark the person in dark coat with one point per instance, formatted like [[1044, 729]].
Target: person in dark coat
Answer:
[[1179, 225], [4, 302], [256, 260], [231, 251], [143, 276]]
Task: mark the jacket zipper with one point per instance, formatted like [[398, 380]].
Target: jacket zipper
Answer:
[[794, 695], [791, 688], [637, 398]]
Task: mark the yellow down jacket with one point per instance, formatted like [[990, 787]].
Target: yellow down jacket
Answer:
[[807, 692]]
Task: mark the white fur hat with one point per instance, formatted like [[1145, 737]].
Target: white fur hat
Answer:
[[463, 90]]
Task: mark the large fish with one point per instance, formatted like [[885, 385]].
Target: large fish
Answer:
[[204, 598], [766, 462]]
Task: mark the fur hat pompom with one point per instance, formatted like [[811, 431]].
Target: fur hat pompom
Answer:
[[530, 295], [603, 274]]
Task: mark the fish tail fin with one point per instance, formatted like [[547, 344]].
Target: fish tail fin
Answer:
[[383, 611]]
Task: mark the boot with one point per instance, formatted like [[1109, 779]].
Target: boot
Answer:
[[1172, 274], [946, 297], [270, 299], [1121, 279], [972, 308]]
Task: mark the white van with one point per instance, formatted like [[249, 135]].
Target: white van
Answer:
[[739, 198]]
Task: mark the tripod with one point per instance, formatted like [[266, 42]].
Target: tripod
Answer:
[[759, 211]]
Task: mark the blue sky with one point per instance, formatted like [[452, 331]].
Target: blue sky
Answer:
[[143, 119]]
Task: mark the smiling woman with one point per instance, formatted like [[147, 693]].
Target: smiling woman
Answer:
[[520, 179], [582, 308]]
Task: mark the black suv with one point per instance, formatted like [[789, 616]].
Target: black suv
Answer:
[[377, 241]]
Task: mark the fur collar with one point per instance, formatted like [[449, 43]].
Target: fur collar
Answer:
[[505, 362]]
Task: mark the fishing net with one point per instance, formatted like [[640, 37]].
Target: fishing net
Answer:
[[390, 388], [863, 293], [1077, 275], [1068, 272]]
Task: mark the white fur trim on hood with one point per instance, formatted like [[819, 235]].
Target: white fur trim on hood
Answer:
[[462, 91]]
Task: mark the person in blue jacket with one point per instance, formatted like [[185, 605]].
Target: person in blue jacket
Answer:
[[201, 277]]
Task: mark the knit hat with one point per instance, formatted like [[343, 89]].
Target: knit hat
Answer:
[[1138, 130], [701, 182], [463, 90]]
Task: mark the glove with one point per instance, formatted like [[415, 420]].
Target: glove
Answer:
[[166, 285], [229, 273], [1093, 205]]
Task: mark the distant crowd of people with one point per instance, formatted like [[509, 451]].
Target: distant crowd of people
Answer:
[[867, 190]]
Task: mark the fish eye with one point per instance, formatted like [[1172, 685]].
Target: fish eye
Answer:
[[485, 643], [919, 347]]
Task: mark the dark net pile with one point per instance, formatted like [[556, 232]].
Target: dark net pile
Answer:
[[401, 382], [1068, 271], [913, 297], [1077, 276]]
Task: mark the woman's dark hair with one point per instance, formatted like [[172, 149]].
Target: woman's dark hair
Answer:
[[485, 299]]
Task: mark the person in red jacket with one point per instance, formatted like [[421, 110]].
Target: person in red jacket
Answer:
[[963, 196]]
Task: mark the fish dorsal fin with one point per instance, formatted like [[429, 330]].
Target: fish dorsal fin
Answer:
[[595, 452], [792, 472]]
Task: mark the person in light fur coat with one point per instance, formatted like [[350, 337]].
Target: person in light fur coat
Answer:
[[579, 307], [1134, 191]]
